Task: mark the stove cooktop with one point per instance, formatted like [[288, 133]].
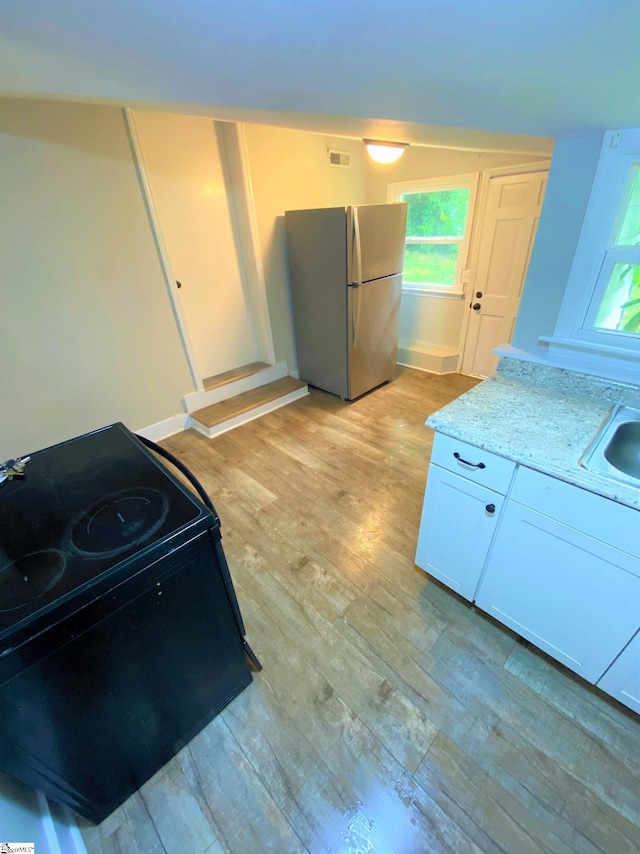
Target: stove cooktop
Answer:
[[84, 507]]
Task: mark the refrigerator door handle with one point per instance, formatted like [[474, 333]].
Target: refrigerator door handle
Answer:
[[358, 248], [355, 316], [355, 313]]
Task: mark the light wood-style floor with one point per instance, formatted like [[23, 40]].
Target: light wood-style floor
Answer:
[[390, 716]]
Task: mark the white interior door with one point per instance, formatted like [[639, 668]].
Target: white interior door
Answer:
[[510, 220], [183, 162]]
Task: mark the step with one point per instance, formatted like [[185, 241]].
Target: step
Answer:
[[227, 414], [424, 356], [261, 376], [232, 375]]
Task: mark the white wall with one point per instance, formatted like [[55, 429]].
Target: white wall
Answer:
[[572, 172], [88, 335], [182, 158], [290, 171], [429, 323]]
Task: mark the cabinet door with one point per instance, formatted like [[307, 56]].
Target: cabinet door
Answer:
[[573, 596], [622, 679], [457, 525]]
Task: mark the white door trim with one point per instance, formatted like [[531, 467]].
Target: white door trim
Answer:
[[478, 227], [165, 263]]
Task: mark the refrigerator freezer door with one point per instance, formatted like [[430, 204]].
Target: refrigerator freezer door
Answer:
[[377, 241], [373, 333]]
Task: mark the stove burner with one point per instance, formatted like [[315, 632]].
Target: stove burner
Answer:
[[29, 578], [118, 522]]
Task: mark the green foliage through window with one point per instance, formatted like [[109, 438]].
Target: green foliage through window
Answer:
[[442, 213], [436, 222], [620, 307], [431, 263]]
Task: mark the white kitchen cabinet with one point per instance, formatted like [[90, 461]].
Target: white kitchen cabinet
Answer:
[[554, 562], [462, 504], [457, 526], [572, 595], [622, 679]]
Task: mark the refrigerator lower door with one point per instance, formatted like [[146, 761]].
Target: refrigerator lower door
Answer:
[[373, 333]]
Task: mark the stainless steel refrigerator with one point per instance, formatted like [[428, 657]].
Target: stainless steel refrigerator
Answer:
[[345, 268]]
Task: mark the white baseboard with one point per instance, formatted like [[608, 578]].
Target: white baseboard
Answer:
[[432, 358], [251, 415], [168, 427], [200, 399]]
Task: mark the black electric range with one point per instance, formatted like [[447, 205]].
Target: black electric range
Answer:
[[87, 510], [120, 632]]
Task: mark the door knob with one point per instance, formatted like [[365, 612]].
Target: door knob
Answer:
[[476, 306], [178, 284], [490, 508], [478, 294]]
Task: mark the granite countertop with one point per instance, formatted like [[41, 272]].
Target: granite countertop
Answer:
[[542, 417]]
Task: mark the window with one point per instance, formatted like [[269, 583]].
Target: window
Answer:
[[438, 226], [615, 306], [600, 315]]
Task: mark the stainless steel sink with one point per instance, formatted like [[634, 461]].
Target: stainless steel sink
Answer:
[[615, 449]]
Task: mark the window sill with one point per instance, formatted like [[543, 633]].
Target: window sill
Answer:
[[438, 293]]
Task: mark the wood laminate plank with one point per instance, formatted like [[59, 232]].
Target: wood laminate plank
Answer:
[[403, 814], [311, 799], [216, 413], [612, 725], [556, 736], [388, 713], [245, 813], [179, 811], [475, 801], [129, 828], [232, 375], [550, 792]]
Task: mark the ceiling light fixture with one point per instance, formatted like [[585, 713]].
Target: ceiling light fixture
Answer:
[[385, 152]]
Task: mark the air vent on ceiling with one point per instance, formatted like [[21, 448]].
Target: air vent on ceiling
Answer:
[[339, 158]]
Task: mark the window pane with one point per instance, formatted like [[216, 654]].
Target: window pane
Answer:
[[629, 234], [442, 213], [620, 307], [431, 264]]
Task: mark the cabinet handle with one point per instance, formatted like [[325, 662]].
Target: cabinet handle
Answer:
[[467, 463], [490, 508]]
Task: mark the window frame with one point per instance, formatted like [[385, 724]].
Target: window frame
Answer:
[[575, 336], [469, 181]]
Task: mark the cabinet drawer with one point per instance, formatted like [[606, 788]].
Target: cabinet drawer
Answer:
[[599, 517], [468, 461]]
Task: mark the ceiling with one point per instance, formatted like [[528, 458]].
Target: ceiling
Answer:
[[542, 68]]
